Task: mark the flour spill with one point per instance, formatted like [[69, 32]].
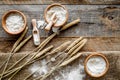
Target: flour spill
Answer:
[[67, 73], [39, 69], [76, 73]]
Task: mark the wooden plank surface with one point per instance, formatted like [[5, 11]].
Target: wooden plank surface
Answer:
[[59, 1], [112, 74], [96, 20], [100, 24], [93, 44]]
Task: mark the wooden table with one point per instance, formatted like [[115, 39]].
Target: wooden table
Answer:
[[100, 24]]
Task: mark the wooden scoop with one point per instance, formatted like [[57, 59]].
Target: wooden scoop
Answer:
[[36, 35], [52, 21]]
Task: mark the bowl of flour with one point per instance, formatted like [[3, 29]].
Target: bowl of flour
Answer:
[[14, 22], [60, 11], [96, 65]]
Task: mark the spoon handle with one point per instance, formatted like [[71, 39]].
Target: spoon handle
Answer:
[[48, 27]]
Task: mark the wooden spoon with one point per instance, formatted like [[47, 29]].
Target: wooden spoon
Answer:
[[36, 35]]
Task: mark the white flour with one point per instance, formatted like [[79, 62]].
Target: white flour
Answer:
[[14, 22], [60, 14], [68, 73], [39, 69], [76, 73], [96, 65]]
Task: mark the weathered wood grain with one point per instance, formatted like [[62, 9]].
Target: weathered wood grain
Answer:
[[112, 74], [60, 1], [96, 20], [93, 44], [100, 24]]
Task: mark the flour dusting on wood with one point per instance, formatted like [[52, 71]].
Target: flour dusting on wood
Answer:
[[38, 68], [67, 73], [72, 73]]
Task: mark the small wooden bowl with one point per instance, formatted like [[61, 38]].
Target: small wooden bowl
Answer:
[[4, 17], [55, 4], [100, 55]]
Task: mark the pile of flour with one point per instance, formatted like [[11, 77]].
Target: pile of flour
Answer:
[[14, 22], [60, 14]]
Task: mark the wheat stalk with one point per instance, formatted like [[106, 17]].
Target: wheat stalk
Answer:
[[64, 27], [12, 51], [66, 59]]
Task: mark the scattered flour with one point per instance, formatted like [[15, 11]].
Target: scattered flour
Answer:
[[76, 73], [68, 73], [41, 24], [14, 22], [38, 68]]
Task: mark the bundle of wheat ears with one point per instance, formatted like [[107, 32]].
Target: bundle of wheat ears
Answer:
[[69, 49]]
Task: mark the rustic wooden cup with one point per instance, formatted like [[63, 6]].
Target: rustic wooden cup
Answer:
[[52, 5], [4, 17], [96, 54]]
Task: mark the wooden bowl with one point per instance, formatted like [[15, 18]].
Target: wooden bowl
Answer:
[[4, 17], [52, 5], [100, 55]]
